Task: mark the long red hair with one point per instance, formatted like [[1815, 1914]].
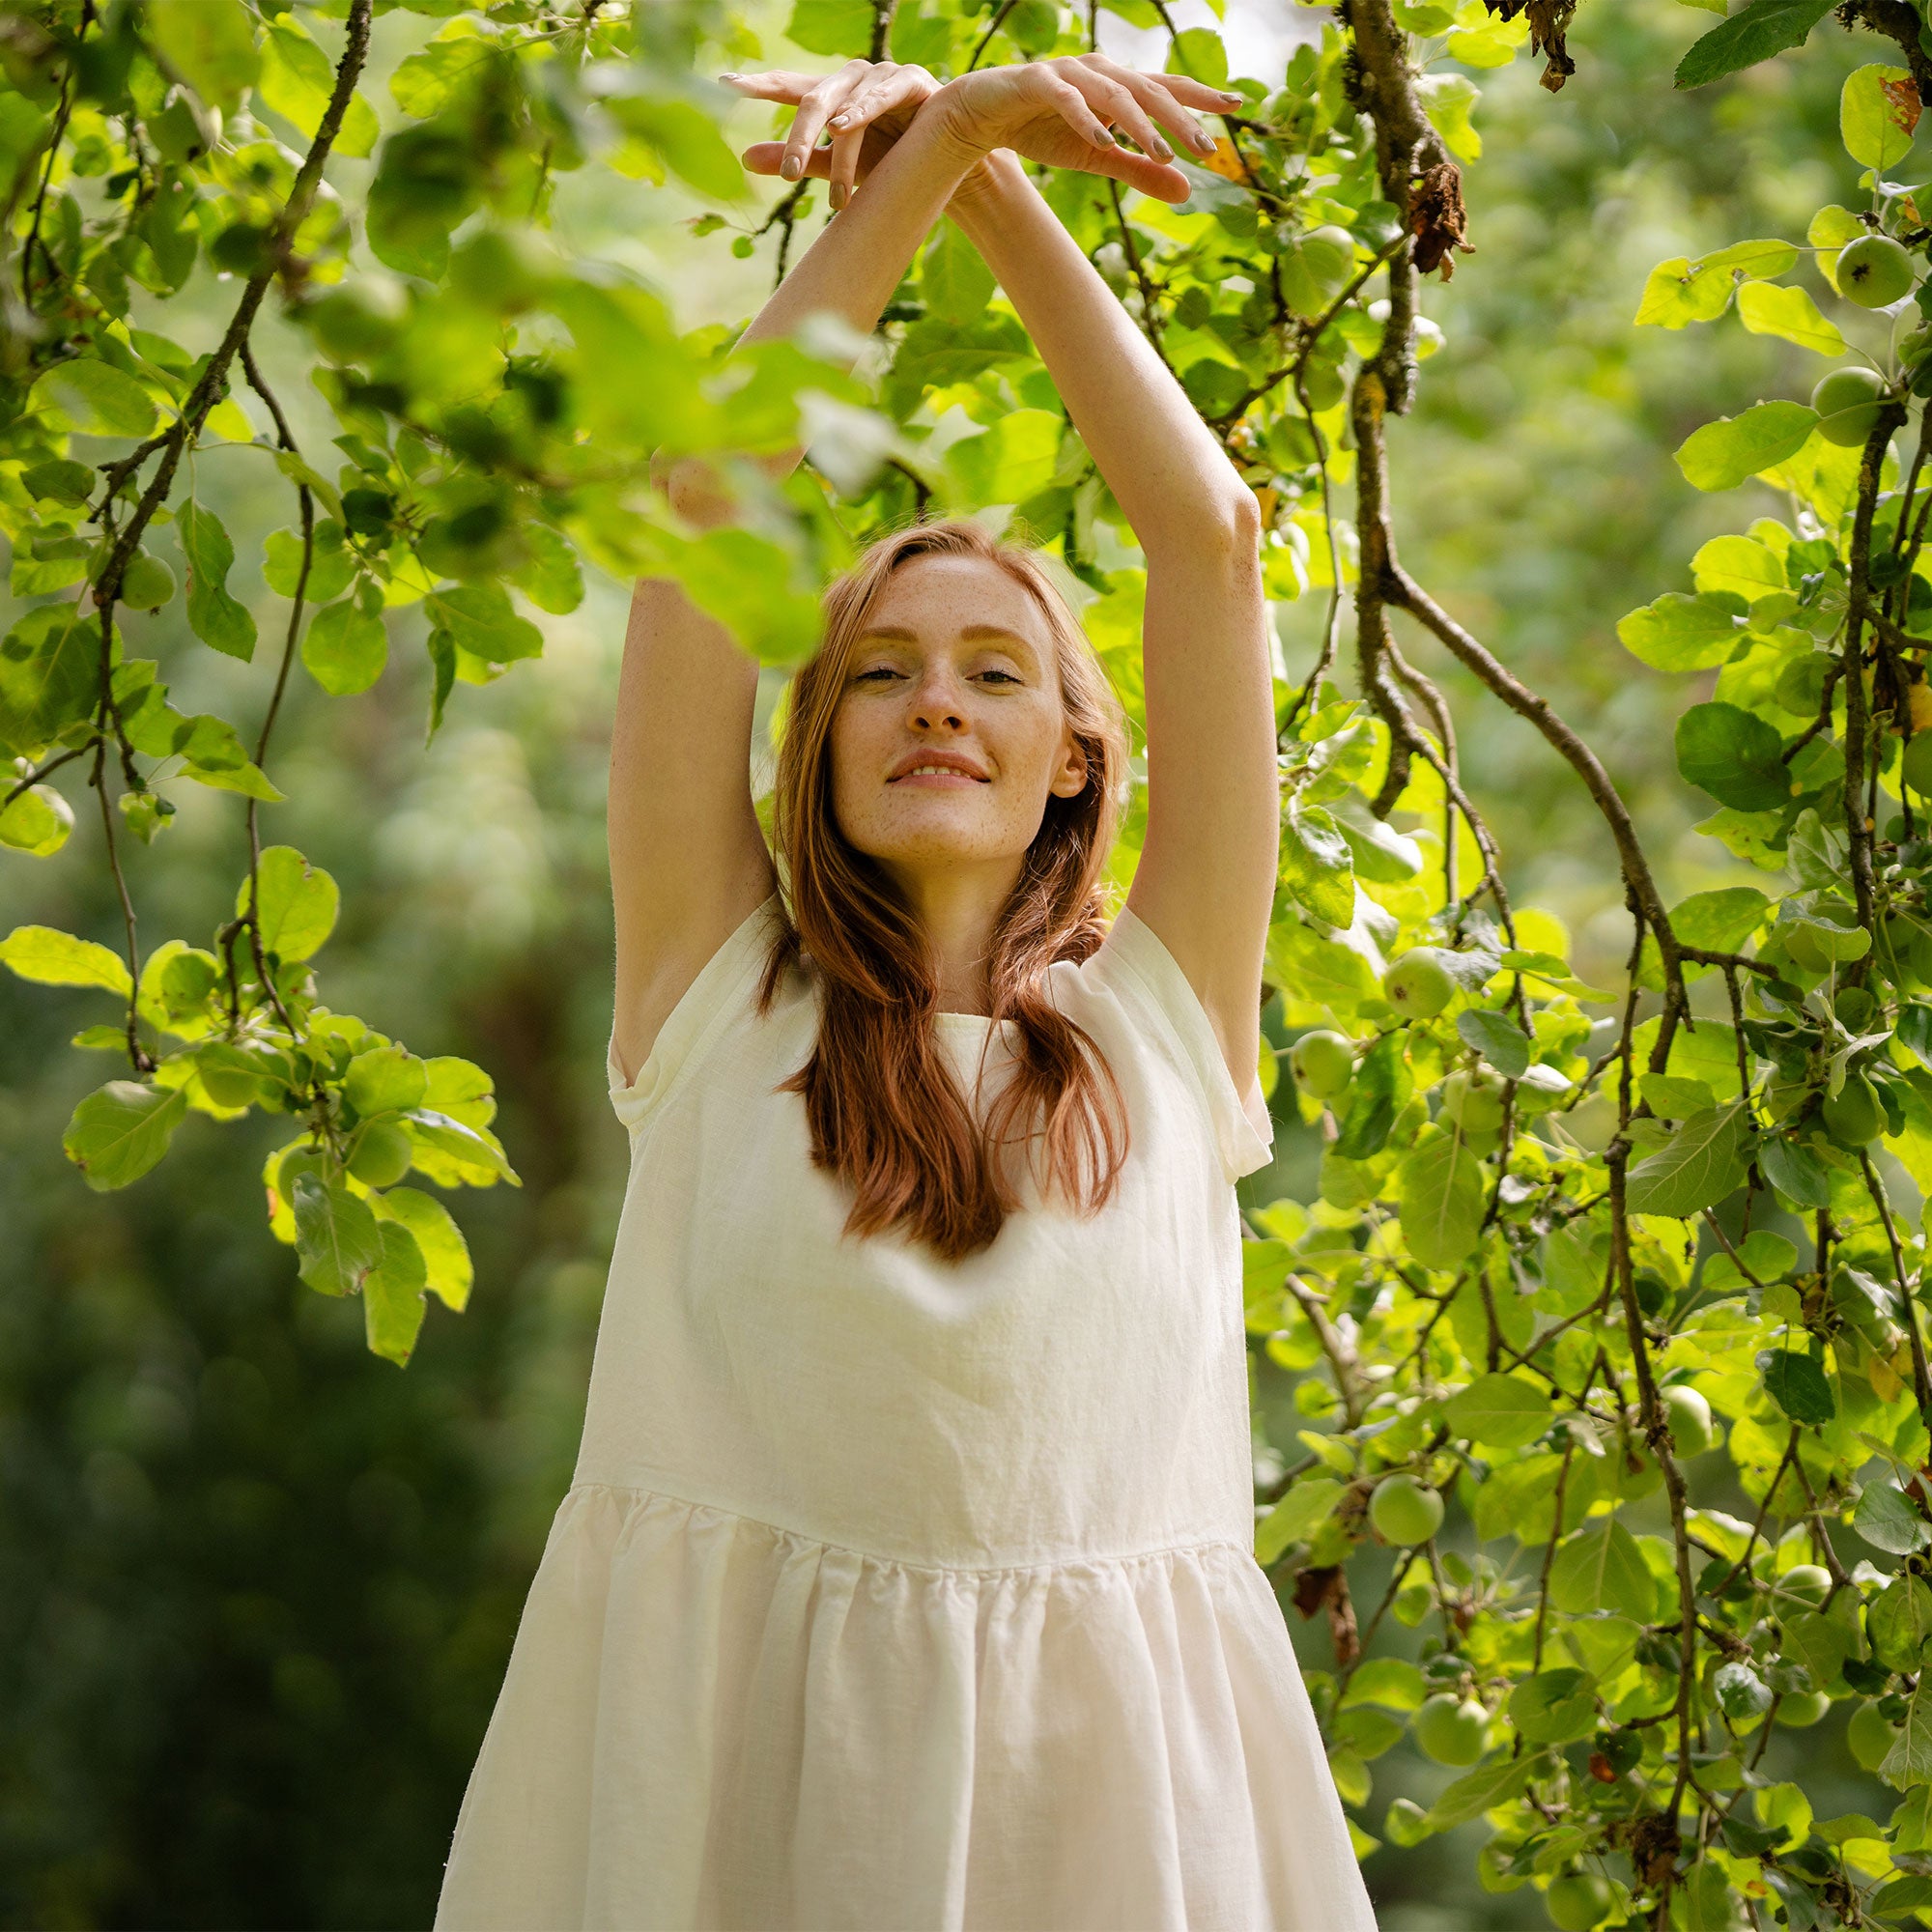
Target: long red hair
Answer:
[[883, 1109]]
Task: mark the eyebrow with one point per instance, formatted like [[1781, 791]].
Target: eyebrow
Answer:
[[971, 633]]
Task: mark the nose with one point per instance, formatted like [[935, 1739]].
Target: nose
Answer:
[[934, 703]]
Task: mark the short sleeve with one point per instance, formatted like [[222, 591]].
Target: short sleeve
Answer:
[[707, 1005], [1243, 1128]]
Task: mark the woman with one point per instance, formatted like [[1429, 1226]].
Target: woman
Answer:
[[906, 1580]]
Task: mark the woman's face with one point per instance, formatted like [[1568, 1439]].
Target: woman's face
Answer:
[[956, 660]]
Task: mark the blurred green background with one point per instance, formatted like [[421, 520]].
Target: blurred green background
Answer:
[[257, 1586]]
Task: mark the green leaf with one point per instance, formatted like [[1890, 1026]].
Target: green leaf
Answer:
[[1757, 32], [1887, 1519], [49, 674], [120, 1130], [1731, 450], [842, 27], [444, 1252], [685, 138], [1498, 1411], [1198, 52], [1674, 1099], [1680, 291], [209, 44], [481, 618], [1011, 461], [1601, 1568], [1498, 1040], [296, 82], [1721, 921], [1734, 755], [1899, 1622], [1392, 1682], [297, 906], [1299, 1514], [1317, 864], [53, 958], [96, 398], [1555, 1706], [1909, 1761], [37, 822], [393, 1293], [1696, 1167], [1485, 1788], [551, 578], [336, 1237], [1378, 1094], [1798, 1385], [1680, 633], [344, 649], [471, 1155], [1876, 133], [1441, 1202], [953, 282], [1766, 310], [386, 1080], [1741, 565], [1796, 1172], [213, 615]]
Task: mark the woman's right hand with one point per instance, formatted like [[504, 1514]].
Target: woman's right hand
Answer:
[[1062, 113]]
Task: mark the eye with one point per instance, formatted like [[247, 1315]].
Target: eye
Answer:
[[1006, 675], [878, 671]]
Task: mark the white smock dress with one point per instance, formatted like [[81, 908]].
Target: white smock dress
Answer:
[[894, 1595]]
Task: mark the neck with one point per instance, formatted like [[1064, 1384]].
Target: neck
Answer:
[[957, 911]]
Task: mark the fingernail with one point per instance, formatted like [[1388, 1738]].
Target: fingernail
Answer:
[[1162, 151], [1105, 137], [1204, 140], [1229, 94], [731, 77], [837, 196], [838, 121], [791, 167]]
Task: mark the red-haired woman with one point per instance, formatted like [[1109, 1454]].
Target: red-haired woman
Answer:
[[906, 1580]]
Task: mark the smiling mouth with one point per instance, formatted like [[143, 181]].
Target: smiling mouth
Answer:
[[936, 778]]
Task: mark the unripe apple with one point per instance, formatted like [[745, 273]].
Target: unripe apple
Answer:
[[1915, 766], [1473, 1101], [1687, 1416], [1874, 271], [1852, 1116], [1847, 402], [1324, 1062], [1404, 1511], [1578, 1902], [147, 583], [1870, 1736], [382, 1155], [1809, 1582], [1805, 1707], [1450, 1730], [1416, 985]]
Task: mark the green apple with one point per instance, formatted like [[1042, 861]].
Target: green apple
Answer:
[[1809, 1582], [1579, 1901], [1324, 1062], [1450, 1730], [1852, 1116], [1801, 1708], [1416, 985], [1847, 402], [1915, 766], [1404, 1511], [1870, 1736], [382, 1155], [146, 583], [1874, 271], [1687, 1416], [1474, 1101]]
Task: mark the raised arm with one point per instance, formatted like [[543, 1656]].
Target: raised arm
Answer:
[[687, 860], [1206, 872]]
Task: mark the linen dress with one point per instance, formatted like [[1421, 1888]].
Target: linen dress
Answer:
[[905, 1596]]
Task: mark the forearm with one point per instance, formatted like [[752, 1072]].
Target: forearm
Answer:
[[1165, 468]]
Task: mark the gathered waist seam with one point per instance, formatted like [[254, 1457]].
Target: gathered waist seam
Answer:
[[1199, 1546]]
